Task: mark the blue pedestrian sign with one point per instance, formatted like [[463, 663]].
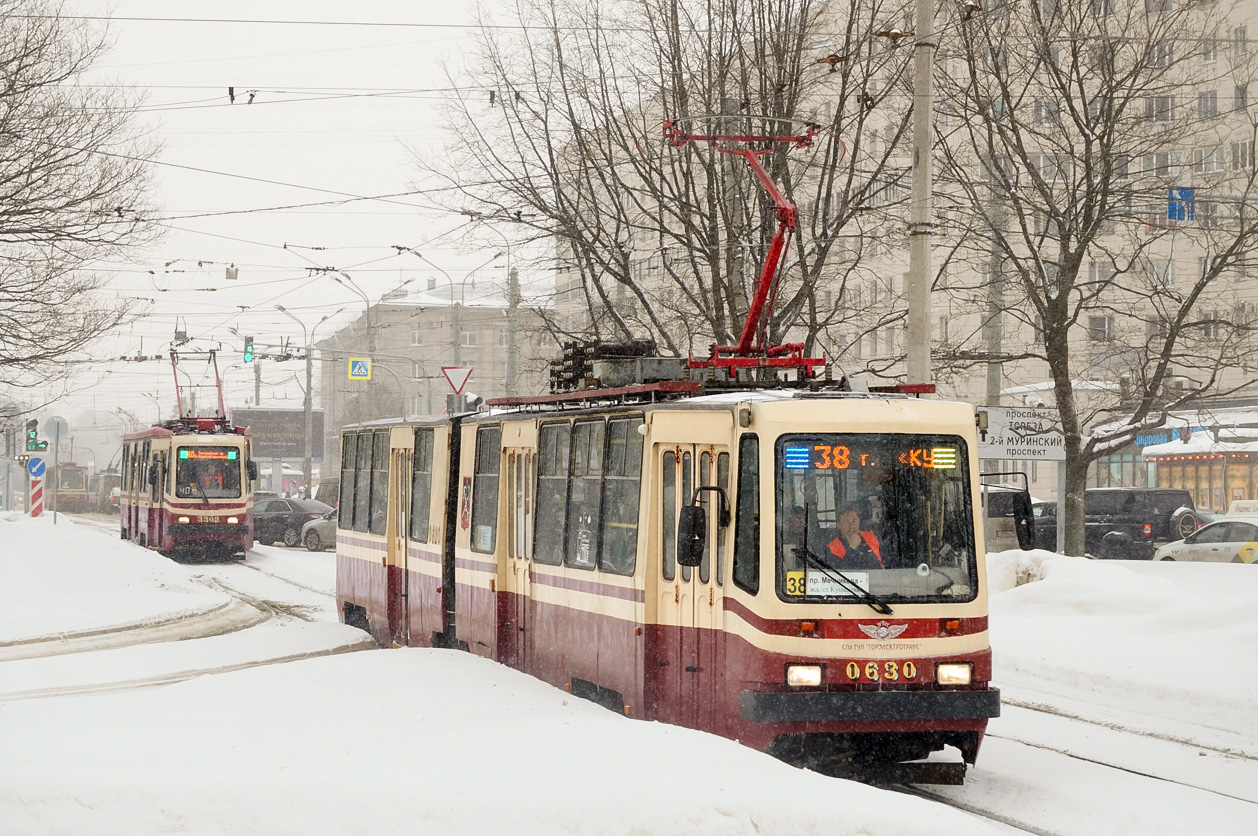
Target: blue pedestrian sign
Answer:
[[360, 368], [36, 467]]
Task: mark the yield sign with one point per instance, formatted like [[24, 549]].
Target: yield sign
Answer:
[[457, 377]]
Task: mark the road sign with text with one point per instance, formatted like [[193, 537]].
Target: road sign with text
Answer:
[[1021, 433]]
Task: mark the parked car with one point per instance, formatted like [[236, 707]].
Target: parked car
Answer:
[[1232, 540], [329, 491], [282, 519], [319, 534], [1131, 523]]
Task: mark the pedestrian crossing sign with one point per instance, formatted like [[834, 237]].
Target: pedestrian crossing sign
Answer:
[[360, 368]]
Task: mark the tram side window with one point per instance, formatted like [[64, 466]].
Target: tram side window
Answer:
[[747, 520], [583, 499], [705, 501], [722, 481], [421, 485], [485, 488], [379, 482], [349, 451], [668, 514], [362, 483], [619, 540], [549, 533]]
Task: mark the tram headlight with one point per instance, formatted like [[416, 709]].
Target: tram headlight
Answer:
[[954, 673], [803, 676], [233, 520], [185, 519]]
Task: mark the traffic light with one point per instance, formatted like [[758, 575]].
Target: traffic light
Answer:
[[248, 349], [32, 434]]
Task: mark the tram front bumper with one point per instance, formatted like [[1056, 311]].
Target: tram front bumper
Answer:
[[867, 706]]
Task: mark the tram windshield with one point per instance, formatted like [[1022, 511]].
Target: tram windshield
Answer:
[[881, 515], [207, 472]]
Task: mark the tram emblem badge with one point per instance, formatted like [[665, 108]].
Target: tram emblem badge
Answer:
[[883, 631]]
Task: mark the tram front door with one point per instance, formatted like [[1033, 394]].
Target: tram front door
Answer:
[[690, 599]]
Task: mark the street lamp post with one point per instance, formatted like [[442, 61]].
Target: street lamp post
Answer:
[[307, 464]]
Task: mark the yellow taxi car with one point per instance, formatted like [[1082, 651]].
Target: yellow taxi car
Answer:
[[1233, 539]]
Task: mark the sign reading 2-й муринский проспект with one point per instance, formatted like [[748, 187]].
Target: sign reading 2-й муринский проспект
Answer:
[[1021, 433]]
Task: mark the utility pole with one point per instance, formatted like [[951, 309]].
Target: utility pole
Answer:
[[513, 304], [920, 225], [257, 384]]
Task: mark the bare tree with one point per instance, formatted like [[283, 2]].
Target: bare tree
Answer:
[[1099, 157], [74, 188], [562, 131]]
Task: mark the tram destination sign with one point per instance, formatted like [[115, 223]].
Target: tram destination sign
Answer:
[[281, 433], [1020, 433]]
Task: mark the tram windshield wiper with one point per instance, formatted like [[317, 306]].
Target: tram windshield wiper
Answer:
[[875, 603], [204, 495]]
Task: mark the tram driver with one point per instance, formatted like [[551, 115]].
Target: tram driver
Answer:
[[854, 547]]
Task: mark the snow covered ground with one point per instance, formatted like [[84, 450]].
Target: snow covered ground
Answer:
[[1144, 667]]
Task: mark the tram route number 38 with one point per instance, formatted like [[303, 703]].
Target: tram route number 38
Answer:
[[887, 671]]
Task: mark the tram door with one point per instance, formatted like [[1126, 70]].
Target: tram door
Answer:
[[691, 602], [398, 521], [517, 580]]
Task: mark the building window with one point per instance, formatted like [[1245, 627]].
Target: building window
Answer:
[[1209, 49], [417, 335], [1240, 97], [1101, 8], [417, 370], [1162, 164], [504, 337], [1243, 155], [467, 337], [1211, 327], [1101, 328], [1161, 273], [1240, 40], [1154, 6], [1159, 108], [1163, 54], [418, 405], [1046, 113], [1207, 160], [1207, 104]]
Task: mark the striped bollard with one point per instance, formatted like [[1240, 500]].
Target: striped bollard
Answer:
[[37, 496]]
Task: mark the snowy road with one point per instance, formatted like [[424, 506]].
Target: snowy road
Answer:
[[276, 606], [1127, 699]]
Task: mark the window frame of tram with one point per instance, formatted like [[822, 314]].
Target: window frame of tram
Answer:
[[421, 484], [602, 457], [349, 458], [746, 573], [485, 469]]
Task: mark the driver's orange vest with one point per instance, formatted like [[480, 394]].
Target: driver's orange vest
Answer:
[[840, 551]]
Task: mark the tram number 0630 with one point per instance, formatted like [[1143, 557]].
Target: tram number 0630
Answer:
[[889, 671]]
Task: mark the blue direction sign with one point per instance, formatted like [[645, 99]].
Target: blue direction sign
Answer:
[[360, 368], [36, 467]]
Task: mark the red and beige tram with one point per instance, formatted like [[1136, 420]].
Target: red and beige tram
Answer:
[[70, 492], [187, 483], [187, 487], [564, 537]]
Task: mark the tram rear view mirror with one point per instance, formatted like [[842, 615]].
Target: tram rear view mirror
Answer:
[[692, 533], [252, 468]]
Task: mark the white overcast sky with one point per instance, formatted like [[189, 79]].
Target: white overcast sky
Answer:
[[337, 106]]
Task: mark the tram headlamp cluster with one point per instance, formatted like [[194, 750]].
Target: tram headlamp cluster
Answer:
[[954, 673], [233, 520], [185, 519], [803, 676]]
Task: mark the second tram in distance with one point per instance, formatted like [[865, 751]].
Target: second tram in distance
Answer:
[[561, 538]]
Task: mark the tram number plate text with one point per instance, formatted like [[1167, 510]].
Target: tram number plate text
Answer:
[[884, 671]]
